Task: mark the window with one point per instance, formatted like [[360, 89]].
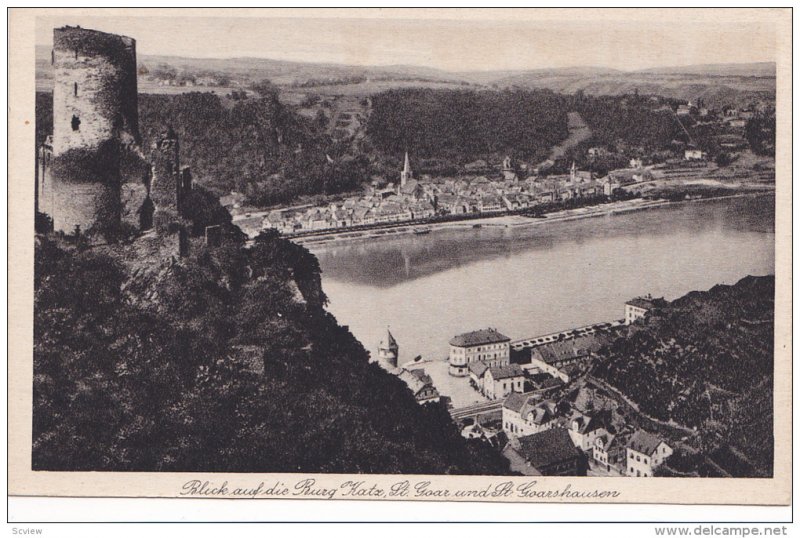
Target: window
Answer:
[[76, 123], [75, 89]]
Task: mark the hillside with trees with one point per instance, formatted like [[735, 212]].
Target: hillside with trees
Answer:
[[257, 146], [705, 361], [223, 361], [631, 119], [465, 125]]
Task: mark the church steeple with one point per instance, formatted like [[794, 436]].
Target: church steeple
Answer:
[[406, 174]]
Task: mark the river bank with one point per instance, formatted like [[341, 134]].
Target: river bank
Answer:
[[511, 221], [537, 280]]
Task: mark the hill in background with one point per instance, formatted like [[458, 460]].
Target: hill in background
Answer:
[[717, 84]]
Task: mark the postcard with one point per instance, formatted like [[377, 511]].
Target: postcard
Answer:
[[499, 255]]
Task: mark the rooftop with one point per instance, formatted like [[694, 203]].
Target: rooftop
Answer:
[[507, 371], [478, 368], [547, 447], [572, 348], [478, 338], [642, 302], [516, 400], [415, 379], [644, 442], [388, 341]]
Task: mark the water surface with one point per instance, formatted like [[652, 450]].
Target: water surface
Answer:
[[533, 280]]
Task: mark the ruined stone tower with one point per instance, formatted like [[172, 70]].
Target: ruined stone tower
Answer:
[[170, 183], [95, 113]]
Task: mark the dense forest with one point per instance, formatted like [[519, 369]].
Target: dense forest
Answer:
[[224, 361], [257, 146], [703, 361], [760, 133], [465, 125], [631, 119]]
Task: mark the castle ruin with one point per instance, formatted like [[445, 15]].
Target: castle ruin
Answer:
[[95, 114], [95, 119], [170, 183]]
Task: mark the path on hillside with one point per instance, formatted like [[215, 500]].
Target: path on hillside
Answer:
[[578, 132]]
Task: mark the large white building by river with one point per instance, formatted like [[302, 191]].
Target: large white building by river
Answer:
[[486, 345]]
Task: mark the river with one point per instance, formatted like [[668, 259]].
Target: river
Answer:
[[528, 281]]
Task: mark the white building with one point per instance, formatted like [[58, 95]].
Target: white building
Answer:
[[487, 345], [694, 155], [645, 452], [500, 381], [609, 452], [637, 308], [524, 414], [584, 430]]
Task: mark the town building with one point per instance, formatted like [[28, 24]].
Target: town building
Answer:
[[585, 429], [694, 154], [231, 201], [420, 384], [609, 451], [500, 381], [496, 382], [487, 345], [638, 307], [553, 357], [645, 452], [547, 453], [525, 414], [509, 174]]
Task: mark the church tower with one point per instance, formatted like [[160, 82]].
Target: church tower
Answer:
[[388, 351], [573, 172], [406, 174]]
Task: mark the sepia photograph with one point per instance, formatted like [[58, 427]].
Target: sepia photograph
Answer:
[[503, 250]]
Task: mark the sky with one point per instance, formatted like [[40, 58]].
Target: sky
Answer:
[[453, 45]]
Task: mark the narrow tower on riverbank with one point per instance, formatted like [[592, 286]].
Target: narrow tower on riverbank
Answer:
[[388, 351]]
